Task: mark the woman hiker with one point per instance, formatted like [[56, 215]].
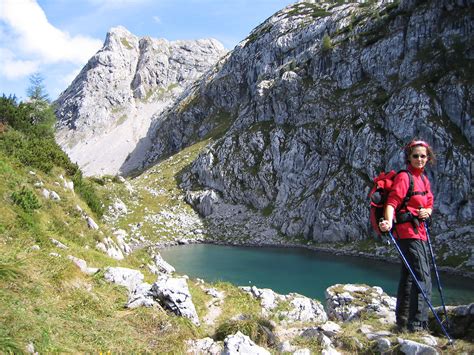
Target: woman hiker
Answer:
[[407, 217]]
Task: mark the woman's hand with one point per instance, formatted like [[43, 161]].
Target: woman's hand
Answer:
[[424, 213], [385, 225]]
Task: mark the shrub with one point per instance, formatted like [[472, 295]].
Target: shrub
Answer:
[[260, 330], [326, 45], [26, 199], [86, 190]]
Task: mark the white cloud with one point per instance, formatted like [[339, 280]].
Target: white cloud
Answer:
[[12, 68], [34, 35], [157, 19]]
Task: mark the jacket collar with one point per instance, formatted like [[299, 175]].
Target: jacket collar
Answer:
[[415, 171]]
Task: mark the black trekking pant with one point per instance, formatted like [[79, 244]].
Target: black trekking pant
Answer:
[[412, 309]]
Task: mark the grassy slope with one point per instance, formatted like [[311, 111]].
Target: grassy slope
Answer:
[[45, 299]]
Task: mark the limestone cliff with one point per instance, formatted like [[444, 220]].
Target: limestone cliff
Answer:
[[109, 106], [319, 99]]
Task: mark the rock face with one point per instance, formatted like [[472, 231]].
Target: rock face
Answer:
[[318, 100], [110, 105]]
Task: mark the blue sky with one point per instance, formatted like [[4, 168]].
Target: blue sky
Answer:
[[56, 37]]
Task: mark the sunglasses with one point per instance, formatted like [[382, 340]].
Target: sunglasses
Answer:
[[416, 156]]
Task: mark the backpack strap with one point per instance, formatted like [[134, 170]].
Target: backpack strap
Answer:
[[410, 192]]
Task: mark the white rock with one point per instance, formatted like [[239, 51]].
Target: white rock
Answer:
[[91, 223], [109, 247], [175, 295], [348, 304], [241, 344], [330, 351], [58, 244], [120, 236], [124, 277], [82, 265], [45, 193], [162, 265], [330, 329], [54, 196], [286, 347], [141, 296], [304, 309], [203, 346], [69, 185], [410, 347], [30, 348]]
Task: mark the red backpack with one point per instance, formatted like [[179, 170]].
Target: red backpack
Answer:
[[379, 193]]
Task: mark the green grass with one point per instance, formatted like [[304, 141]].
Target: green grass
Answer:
[[236, 302], [126, 43], [256, 328]]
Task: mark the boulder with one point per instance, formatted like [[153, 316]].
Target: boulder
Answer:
[[128, 278], [461, 320], [410, 347], [109, 247], [174, 294], [91, 223], [304, 309], [241, 344], [161, 266], [203, 346], [82, 265], [347, 302], [120, 236], [141, 296], [58, 244], [268, 298], [54, 196]]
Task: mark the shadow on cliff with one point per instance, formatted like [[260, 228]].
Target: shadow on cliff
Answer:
[[169, 136]]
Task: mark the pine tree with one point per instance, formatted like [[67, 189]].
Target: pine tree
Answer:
[[37, 91]]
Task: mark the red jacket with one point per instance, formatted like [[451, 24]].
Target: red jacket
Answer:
[[399, 190]]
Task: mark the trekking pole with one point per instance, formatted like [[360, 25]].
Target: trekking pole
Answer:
[[405, 262], [440, 289]]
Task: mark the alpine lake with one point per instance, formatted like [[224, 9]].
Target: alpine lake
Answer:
[[300, 270]]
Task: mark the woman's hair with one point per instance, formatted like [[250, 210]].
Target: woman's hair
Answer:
[[419, 143]]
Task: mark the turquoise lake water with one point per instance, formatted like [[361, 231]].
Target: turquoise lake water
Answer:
[[307, 272]]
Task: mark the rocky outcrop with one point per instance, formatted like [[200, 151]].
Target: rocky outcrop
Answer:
[[174, 294], [298, 308], [318, 100], [349, 302], [109, 106]]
